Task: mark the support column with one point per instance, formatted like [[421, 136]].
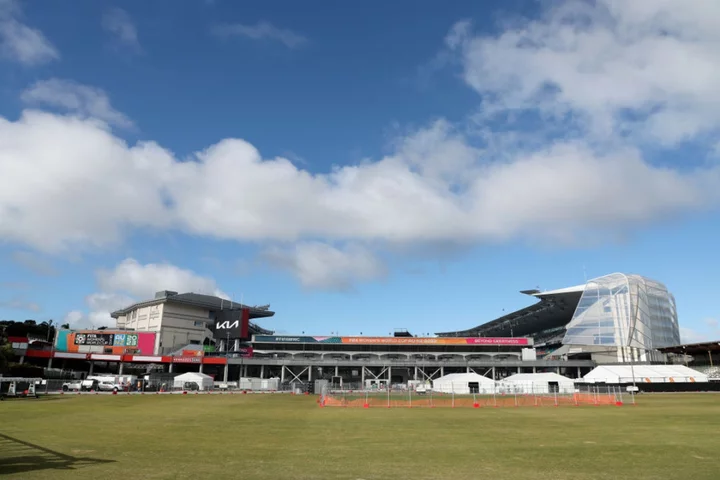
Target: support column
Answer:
[[558, 370], [170, 368], [519, 370], [262, 371], [225, 373], [282, 374], [493, 372], [389, 376], [120, 368], [22, 359], [336, 370], [442, 371], [362, 376], [201, 368], [309, 374], [49, 362], [415, 377], [92, 366], [579, 375], [534, 369]]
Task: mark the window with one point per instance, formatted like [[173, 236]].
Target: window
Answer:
[[199, 323]]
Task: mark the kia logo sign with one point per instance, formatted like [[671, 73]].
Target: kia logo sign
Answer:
[[226, 324]]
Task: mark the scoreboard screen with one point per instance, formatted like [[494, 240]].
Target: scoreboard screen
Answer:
[[107, 339]]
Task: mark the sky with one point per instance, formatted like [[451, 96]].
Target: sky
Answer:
[[361, 168]]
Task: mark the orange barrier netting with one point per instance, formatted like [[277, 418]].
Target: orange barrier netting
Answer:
[[360, 400]]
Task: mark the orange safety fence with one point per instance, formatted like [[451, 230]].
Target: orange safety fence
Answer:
[[411, 400]]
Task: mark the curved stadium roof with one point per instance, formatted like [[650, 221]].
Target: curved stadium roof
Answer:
[[554, 310]]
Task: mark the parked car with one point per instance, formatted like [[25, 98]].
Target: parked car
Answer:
[[79, 385]]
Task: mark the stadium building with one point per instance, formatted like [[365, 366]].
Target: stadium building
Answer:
[[192, 319], [612, 319]]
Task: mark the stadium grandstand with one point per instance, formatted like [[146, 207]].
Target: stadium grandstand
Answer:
[[703, 357], [614, 318], [545, 321], [609, 320]]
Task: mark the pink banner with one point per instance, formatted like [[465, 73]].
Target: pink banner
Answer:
[[497, 341]]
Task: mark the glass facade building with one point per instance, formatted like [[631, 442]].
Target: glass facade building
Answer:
[[630, 312]]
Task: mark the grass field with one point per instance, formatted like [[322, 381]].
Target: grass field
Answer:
[[290, 437]]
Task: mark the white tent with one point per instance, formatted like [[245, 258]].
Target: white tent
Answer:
[[205, 382], [644, 374], [529, 383], [463, 383]]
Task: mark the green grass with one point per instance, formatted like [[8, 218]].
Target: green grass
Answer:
[[290, 437]]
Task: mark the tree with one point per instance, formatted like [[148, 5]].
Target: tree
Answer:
[[6, 353]]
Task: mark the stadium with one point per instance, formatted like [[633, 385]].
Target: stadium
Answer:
[[616, 319], [208, 378]]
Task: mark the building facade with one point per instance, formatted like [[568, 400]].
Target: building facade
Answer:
[[186, 319], [629, 317]]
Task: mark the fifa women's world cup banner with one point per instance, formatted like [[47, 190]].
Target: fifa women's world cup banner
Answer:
[[395, 340], [116, 342]]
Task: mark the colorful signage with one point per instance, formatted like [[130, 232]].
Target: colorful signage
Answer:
[[246, 352], [105, 341], [187, 359], [395, 340], [192, 353]]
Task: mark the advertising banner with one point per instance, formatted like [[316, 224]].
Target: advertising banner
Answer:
[[193, 353], [498, 341], [231, 324], [114, 342], [187, 359], [395, 340], [246, 352], [294, 339]]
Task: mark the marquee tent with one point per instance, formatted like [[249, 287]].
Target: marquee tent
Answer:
[[463, 383], [529, 383], [644, 374], [205, 382]]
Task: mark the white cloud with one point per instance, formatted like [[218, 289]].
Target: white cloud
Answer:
[[610, 71], [21, 43], [689, 335], [142, 281], [646, 67], [322, 266], [708, 331], [68, 183], [78, 184], [129, 282], [34, 263], [19, 303], [117, 22], [261, 31], [82, 100]]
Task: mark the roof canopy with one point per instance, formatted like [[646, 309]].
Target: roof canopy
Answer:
[[693, 348], [555, 309], [196, 300], [463, 378], [537, 378], [643, 373]]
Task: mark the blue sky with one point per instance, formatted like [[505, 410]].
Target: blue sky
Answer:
[[360, 168]]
